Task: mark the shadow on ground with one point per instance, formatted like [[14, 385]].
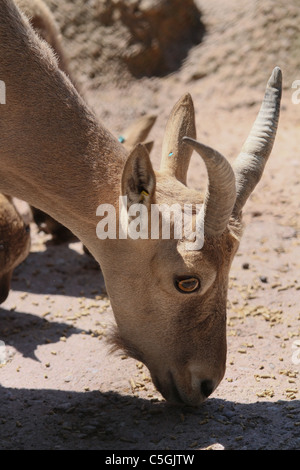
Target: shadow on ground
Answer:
[[52, 419], [38, 330], [59, 270]]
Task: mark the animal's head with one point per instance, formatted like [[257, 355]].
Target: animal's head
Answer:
[[14, 243], [169, 295]]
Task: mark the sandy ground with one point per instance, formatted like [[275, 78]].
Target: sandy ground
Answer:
[[60, 387]]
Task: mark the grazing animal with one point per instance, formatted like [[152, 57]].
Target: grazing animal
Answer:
[[169, 301], [14, 243]]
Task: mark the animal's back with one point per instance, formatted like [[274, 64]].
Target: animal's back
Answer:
[[43, 22]]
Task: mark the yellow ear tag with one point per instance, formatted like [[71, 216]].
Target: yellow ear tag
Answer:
[[143, 194]]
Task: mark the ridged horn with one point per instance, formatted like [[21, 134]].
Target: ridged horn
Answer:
[[220, 193], [250, 163], [175, 155]]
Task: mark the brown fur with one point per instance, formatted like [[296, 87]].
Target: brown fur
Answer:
[[66, 164], [14, 243], [44, 24]]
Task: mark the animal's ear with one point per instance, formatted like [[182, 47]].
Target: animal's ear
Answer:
[[176, 154], [149, 145], [138, 178], [138, 131]]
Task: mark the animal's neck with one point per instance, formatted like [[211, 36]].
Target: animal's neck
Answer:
[[53, 152]]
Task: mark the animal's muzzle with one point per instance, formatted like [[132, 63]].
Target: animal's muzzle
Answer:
[[172, 392]]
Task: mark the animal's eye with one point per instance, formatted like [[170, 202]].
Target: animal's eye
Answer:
[[187, 285], [27, 228]]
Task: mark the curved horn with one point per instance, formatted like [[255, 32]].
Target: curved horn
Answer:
[[250, 163], [220, 194], [175, 155]]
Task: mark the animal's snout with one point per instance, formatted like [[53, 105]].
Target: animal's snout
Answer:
[[189, 391]]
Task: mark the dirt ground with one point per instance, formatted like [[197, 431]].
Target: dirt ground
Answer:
[[60, 387]]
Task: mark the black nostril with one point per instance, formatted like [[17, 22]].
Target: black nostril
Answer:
[[207, 387]]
